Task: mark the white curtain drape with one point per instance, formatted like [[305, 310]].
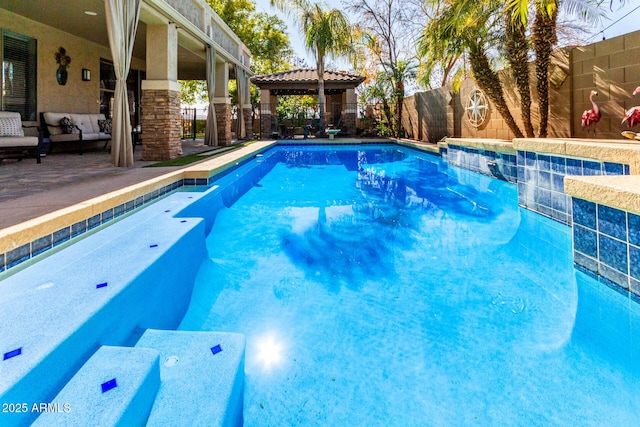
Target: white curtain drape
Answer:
[[122, 23], [241, 80], [211, 129]]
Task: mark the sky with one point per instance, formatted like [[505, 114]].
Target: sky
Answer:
[[622, 21]]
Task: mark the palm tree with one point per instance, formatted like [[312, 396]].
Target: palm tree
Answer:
[[326, 32], [544, 37], [517, 52], [470, 26], [397, 75]]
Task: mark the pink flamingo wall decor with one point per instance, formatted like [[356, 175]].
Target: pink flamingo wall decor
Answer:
[[592, 116], [632, 117]]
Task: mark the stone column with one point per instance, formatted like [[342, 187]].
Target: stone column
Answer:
[[246, 110], [161, 120], [222, 103], [248, 120], [349, 112]]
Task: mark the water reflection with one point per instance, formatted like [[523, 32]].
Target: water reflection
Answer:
[[348, 243]]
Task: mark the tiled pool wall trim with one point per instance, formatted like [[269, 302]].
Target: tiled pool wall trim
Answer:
[[540, 177], [496, 164], [36, 247], [541, 181], [606, 245]]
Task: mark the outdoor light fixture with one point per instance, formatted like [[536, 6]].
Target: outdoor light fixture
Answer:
[[86, 75], [90, 13]]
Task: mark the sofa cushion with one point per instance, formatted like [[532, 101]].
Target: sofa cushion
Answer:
[[65, 137], [90, 136], [105, 125], [18, 141], [4, 114], [52, 120], [95, 119], [11, 126], [85, 122]]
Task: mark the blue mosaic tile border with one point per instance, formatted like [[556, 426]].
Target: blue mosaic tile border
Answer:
[[606, 244], [541, 181], [42, 244], [495, 164]]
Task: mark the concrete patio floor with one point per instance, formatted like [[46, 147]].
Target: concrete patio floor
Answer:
[[29, 190]]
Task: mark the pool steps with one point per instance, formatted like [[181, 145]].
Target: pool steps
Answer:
[[152, 383], [56, 316], [116, 386], [216, 359]]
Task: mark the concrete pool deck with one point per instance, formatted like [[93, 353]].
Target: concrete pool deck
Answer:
[[29, 190]]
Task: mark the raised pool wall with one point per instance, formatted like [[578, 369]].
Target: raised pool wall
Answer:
[[591, 185]]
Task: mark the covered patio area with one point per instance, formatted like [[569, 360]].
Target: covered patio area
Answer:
[[123, 59], [341, 106]]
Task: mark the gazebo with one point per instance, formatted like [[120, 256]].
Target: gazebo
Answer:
[[340, 106]]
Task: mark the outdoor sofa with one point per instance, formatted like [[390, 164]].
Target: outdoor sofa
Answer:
[[70, 127], [19, 140]]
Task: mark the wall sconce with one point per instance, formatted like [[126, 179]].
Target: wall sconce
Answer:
[[86, 75]]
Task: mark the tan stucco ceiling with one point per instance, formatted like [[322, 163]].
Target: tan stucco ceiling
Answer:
[[69, 16]]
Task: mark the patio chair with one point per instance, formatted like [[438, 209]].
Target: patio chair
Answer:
[[18, 140]]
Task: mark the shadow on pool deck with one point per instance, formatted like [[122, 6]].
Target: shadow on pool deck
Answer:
[[29, 190]]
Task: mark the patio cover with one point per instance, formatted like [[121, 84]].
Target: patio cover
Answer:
[[305, 82]]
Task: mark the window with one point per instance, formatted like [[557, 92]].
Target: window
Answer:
[[108, 86], [19, 75]]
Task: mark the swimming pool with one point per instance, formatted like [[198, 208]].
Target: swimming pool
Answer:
[[379, 286], [375, 285]]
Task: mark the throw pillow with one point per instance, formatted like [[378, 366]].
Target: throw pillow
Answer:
[[11, 126], [105, 125], [66, 125]]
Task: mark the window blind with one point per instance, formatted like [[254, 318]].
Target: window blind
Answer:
[[19, 72]]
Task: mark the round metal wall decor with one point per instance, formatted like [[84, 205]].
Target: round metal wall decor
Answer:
[[477, 108]]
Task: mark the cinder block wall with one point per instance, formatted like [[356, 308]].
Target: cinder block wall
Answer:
[[429, 116], [611, 67]]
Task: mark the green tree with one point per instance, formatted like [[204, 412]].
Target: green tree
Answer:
[[326, 33], [265, 35], [472, 27], [517, 52], [544, 37], [385, 24], [380, 91]]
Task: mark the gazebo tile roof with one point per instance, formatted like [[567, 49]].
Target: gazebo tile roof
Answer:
[[304, 75]]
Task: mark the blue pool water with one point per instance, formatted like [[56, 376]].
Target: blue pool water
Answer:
[[378, 286]]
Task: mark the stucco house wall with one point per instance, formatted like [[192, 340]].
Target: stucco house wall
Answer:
[[76, 96]]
